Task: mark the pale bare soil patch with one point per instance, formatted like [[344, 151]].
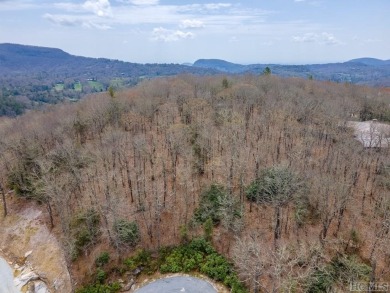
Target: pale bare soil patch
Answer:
[[26, 240]]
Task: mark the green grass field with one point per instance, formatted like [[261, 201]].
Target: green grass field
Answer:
[[59, 87], [117, 83], [97, 86], [78, 87]]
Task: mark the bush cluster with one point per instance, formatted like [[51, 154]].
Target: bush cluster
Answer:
[[216, 204], [99, 288], [127, 232], [84, 231], [200, 256], [275, 185], [209, 204], [340, 271], [142, 259], [102, 259]]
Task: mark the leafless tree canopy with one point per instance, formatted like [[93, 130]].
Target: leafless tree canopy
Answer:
[[144, 156]]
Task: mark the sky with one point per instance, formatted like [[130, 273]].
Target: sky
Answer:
[[173, 31]]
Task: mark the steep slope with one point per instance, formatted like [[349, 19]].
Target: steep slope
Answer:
[[150, 167], [15, 57]]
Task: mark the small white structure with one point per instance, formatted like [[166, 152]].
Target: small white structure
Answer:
[[371, 134]]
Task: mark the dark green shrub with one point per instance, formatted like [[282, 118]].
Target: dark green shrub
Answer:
[[184, 233], [350, 268], [275, 185], [342, 269], [99, 288], [199, 255], [303, 210], [102, 259], [234, 283], [100, 276], [208, 229], [127, 232], [321, 280], [84, 230], [143, 259], [209, 204], [216, 267], [216, 204], [201, 245]]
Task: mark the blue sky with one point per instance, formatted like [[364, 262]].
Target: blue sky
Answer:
[[172, 31]]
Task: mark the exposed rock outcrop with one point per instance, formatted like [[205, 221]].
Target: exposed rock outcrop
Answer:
[[37, 257]]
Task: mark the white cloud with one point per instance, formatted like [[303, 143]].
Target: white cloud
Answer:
[[140, 2], [329, 39], [68, 6], [306, 38], [167, 35], [217, 16], [191, 23], [321, 38], [233, 39], [203, 8], [99, 7], [9, 5], [213, 6], [144, 2], [61, 20], [65, 20]]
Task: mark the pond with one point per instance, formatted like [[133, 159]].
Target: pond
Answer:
[[6, 278], [178, 284]]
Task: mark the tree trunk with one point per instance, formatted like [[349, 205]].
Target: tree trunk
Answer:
[[277, 230], [50, 214], [4, 201]]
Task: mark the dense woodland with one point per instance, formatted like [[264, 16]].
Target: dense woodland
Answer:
[[33, 76], [263, 167]]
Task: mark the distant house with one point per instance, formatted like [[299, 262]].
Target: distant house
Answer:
[[371, 134]]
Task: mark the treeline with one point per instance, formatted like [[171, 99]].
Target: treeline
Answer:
[[21, 92], [265, 165], [10, 106]]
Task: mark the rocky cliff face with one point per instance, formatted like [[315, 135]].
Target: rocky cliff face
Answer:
[[32, 250]]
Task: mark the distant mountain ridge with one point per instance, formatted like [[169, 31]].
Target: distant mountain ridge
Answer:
[[367, 71], [17, 58], [370, 61], [220, 65], [23, 59], [32, 75]]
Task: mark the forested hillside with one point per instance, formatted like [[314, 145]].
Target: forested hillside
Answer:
[[262, 167], [363, 71], [31, 76]]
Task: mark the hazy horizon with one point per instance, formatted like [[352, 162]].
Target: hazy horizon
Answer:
[[246, 32]]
